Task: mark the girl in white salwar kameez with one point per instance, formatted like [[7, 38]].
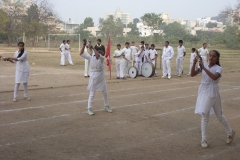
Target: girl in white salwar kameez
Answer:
[[97, 80], [22, 70], [209, 99]]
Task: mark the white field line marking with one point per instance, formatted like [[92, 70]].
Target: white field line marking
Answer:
[[130, 105], [235, 98], [39, 74], [73, 102], [71, 95]]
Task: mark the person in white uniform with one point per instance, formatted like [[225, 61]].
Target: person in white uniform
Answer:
[[127, 55], [68, 53], [22, 70], [142, 43], [62, 49], [87, 62], [167, 55], [134, 50], [203, 52], [119, 62], [97, 80], [192, 57], [209, 99], [180, 58], [153, 56], [138, 58], [147, 53]]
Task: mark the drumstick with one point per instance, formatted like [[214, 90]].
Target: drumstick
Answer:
[[199, 58]]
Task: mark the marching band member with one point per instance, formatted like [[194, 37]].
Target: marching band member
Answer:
[[209, 99], [127, 56], [87, 62], [67, 52], [97, 80], [204, 53], [152, 56], [192, 57], [138, 59], [62, 49], [180, 58], [167, 55], [119, 62], [146, 57]]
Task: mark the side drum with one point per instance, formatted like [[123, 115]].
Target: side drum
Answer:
[[148, 69], [133, 72]]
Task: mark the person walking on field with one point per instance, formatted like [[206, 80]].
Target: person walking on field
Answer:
[[167, 55], [68, 53], [100, 46], [97, 80], [209, 100], [22, 70], [119, 62], [180, 58], [62, 49], [192, 57], [204, 53]]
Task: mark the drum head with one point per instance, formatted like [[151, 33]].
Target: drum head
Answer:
[[133, 72], [148, 69]]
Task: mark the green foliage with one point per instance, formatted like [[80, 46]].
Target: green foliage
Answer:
[[152, 20], [88, 22], [174, 30], [211, 25], [111, 27]]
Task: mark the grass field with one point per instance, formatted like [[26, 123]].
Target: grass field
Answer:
[[152, 118]]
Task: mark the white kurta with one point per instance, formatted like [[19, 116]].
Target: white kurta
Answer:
[[203, 53], [208, 93], [22, 68], [97, 80]]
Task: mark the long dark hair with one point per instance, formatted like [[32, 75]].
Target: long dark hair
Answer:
[[22, 51], [218, 55]]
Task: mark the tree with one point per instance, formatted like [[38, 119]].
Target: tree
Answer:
[[88, 22], [152, 19], [211, 25], [13, 11], [111, 27], [136, 20], [174, 30]]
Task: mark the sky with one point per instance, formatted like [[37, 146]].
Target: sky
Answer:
[[78, 10]]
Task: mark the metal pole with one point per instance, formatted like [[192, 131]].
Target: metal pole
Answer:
[[49, 42], [79, 42]]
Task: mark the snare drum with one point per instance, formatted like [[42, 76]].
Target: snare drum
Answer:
[[148, 69], [133, 72]]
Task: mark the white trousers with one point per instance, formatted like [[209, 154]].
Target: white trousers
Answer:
[[69, 57], [138, 65], [217, 107], [63, 57], [191, 64], [119, 69], [179, 65], [25, 85], [87, 68], [91, 97], [166, 67], [127, 65]]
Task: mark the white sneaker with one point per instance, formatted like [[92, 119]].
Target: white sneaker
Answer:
[[204, 144], [15, 100], [26, 98], [230, 138], [188, 74], [108, 109], [163, 76], [169, 77], [90, 112]]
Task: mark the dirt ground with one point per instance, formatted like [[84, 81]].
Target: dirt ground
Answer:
[[152, 118]]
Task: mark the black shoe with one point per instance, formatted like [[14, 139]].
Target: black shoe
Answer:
[[86, 76], [123, 78], [117, 78]]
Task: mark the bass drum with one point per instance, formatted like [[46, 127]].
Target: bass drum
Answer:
[[133, 72], [148, 69]]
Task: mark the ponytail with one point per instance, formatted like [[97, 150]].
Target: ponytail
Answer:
[[22, 51], [218, 55]]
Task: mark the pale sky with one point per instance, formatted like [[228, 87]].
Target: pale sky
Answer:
[[77, 10]]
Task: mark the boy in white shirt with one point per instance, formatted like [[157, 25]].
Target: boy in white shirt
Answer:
[[167, 55], [127, 56], [62, 49], [138, 59], [146, 57], [192, 57], [67, 52], [152, 56], [119, 62], [180, 57]]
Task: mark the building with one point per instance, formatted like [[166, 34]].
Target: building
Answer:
[[126, 31], [95, 31], [166, 19], [70, 26], [124, 17], [145, 31]]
